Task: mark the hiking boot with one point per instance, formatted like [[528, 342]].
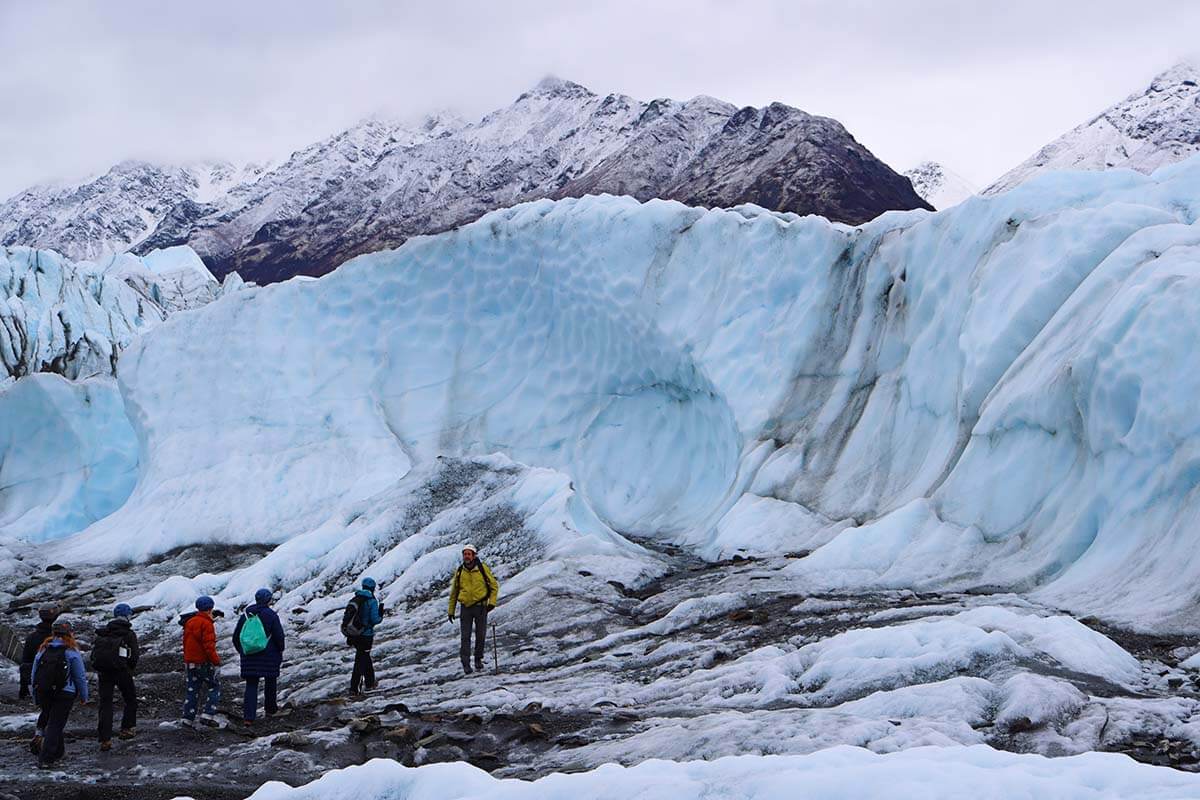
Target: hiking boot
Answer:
[[479, 666], [467, 669], [35, 744], [209, 720], [106, 746], [187, 723], [249, 723], [127, 733]]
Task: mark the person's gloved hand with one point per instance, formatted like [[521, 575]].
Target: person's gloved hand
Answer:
[[452, 618]]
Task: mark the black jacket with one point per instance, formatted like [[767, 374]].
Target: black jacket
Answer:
[[120, 628], [33, 641], [29, 652]]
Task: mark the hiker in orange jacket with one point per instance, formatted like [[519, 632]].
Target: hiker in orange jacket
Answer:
[[200, 660]]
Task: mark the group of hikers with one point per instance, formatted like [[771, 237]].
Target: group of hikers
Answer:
[[52, 666]]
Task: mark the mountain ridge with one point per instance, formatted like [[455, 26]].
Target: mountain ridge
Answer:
[[381, 181], [1157, 126]]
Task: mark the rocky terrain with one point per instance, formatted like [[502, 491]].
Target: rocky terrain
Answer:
[[692, 663]]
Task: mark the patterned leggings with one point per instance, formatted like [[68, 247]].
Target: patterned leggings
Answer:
[[197, 679]]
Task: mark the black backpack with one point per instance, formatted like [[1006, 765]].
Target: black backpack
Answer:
[[352, 626], [53, 671], [106, 655]]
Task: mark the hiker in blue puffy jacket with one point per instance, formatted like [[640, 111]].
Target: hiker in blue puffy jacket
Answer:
[[58, 679], [364, 612], [266, 662]]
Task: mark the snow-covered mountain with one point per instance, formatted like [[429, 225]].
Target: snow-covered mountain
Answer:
[[938, 186], [1157, 126], [116, 211], [381, 181]]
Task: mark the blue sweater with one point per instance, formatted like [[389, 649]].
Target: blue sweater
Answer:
[[266, 663], [76, 677]]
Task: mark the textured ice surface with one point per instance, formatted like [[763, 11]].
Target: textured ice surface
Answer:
[[998, 394], [74, 318], [841, 773], [68, 455]]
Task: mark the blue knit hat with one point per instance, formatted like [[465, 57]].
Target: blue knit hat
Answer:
[[204, 603], [263, 596], [369, 584], [123, 610]]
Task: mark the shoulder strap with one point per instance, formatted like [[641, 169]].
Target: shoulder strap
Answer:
[[483, 574]]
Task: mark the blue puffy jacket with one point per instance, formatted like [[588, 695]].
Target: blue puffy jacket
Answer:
[[265, 663], [371, 616]]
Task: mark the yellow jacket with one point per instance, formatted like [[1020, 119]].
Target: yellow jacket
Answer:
[[470, 586]]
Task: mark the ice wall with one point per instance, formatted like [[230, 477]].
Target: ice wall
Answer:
[[74, 317], [68, 455], [60, 316], [996, 393]]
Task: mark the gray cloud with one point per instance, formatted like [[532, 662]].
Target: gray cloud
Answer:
[[978, 85]]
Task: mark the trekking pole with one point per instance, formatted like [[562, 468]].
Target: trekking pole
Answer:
[[495, 652]]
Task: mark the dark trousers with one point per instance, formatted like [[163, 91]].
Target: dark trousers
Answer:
[[364, 668], [472, 617], [23, 689], [55, 710], [110, 680], [270, 695]]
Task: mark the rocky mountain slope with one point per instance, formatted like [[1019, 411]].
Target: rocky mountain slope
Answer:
[[380, 182], [1143, 132], [939, 186]]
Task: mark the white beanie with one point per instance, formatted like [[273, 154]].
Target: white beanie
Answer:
[[470, 547]]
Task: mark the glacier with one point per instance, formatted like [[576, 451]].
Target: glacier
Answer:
[[74, 317], [68, 455], [755, 485], [994, 395]]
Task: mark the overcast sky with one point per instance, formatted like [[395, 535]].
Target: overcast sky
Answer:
[[976, 85]]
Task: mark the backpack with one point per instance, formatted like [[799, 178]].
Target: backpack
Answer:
[[106, 653], [487, 585], [253, 638], [53, 672], [352, 626]]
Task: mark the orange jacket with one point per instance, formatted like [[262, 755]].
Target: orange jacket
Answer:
[[200, 640]]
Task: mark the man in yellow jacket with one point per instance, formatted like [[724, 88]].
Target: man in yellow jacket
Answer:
[[476, 589]]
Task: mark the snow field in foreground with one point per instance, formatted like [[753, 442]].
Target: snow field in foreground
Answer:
[[840, 773]]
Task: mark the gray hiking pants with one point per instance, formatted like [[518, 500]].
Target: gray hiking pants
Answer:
[[472, 617]]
